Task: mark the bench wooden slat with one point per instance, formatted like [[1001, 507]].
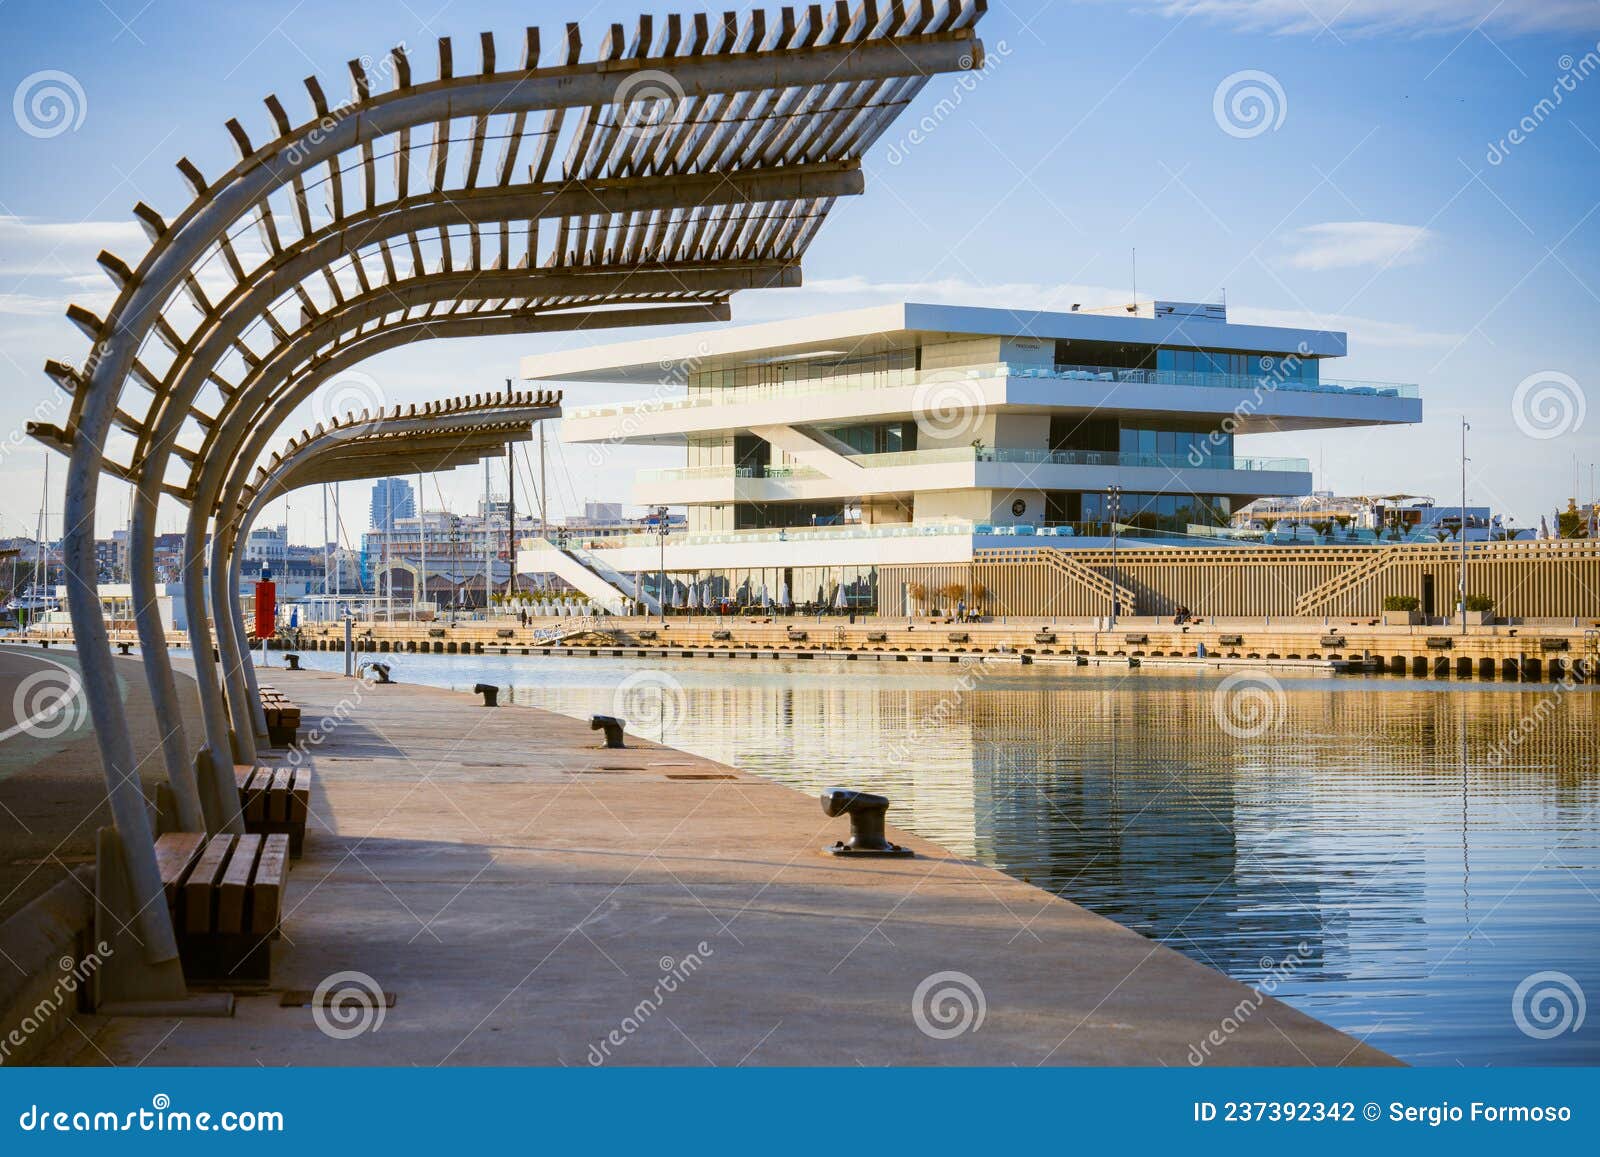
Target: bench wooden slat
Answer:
[[175, 852], [300, 797], [251, 797], [278, 796], [236, 883], [200, 888], [266, 891]]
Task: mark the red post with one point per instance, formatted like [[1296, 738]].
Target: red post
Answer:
[[266, 609]]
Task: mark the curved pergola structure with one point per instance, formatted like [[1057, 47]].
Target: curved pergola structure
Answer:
[[685, 161], [437, 436]]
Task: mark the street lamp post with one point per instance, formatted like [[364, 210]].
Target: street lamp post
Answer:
[[1113, 510], [1463, 531], [661, 575]]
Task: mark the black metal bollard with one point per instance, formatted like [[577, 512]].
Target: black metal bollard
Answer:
[[612, 726], [293, 660], [124, 648], [866, 814], [490, 693]]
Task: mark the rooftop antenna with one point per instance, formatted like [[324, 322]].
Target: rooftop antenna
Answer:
[[1134, 261]]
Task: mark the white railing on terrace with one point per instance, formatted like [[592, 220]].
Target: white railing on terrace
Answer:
[[961, 454], [889, 379], [788, 534]]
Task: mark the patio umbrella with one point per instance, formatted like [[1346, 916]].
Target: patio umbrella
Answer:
[[694, 597], [1544, 528], [783, 594], [840, 603]]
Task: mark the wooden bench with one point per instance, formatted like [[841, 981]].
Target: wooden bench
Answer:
[[275, 801], [283, 717], [225, 894]]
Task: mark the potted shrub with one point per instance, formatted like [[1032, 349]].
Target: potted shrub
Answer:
[[1480, 609], [1401, 610]]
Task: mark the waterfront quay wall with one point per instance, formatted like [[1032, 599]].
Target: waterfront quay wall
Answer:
[[1525, 652]]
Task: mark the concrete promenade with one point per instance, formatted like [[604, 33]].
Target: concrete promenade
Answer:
[[532, 898]]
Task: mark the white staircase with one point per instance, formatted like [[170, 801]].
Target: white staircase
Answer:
[[814, 448], [590, 574]]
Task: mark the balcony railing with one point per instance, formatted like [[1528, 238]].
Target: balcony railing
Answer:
[[964, 454], [891, 379]]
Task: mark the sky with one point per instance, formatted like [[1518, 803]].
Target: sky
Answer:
[[1423, 174]]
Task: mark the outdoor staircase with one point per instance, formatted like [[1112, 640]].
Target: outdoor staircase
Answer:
[[590, 574], [814, 448], [1316, 599], [1086, 576]]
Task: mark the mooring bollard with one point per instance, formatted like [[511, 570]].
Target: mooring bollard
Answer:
[[123, 648], [612, 726], [490, 693], [866, 814], [293, 660]]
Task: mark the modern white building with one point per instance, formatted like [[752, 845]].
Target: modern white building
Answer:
[[818, 449]]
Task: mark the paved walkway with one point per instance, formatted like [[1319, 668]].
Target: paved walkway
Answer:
[[531, 898]]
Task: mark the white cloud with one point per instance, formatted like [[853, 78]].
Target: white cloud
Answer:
[[1350, 244], [1370, 17]]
